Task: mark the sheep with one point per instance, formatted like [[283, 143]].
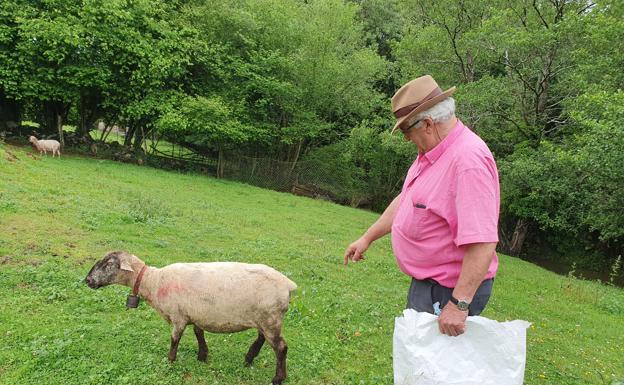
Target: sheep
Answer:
[[218, 297], [46, 145]]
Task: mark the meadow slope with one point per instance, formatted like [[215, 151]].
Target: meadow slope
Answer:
[[58, 216]]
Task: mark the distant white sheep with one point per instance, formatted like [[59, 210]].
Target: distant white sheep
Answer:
[[46, 145], [219, 297]]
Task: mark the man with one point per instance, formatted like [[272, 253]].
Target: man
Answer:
[[444, 221]]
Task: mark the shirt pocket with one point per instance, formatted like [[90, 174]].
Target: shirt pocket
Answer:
[[417, 219]]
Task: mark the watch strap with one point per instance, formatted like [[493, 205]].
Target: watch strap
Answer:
[[464, 305]]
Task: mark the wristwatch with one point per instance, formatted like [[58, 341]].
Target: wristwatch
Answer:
[[461, 304]]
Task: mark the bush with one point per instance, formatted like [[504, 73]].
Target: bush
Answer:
[[365, 170]]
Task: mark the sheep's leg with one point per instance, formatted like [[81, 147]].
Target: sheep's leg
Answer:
[[254, 349], [176, 335], [281, 349], [202, 352]]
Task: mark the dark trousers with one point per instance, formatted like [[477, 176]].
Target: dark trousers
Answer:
[[423, 294]]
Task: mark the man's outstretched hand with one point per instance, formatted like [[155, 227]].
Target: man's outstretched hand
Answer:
[[355, 251]]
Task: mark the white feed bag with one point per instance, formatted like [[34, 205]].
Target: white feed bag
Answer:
[[488, 353]]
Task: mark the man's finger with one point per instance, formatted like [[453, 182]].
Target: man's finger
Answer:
[[347, 256], [449, 331], [442, 327]]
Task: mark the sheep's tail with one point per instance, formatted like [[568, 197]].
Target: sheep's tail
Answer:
[[291, 285]]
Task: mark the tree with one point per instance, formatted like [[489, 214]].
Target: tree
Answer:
[[301, 70], [207, 122]]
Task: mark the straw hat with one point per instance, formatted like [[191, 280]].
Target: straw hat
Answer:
[[415, 97]]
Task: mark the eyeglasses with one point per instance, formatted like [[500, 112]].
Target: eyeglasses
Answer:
[[405, 130]]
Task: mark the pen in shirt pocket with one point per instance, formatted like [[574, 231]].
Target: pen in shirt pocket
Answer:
[[420, 206]]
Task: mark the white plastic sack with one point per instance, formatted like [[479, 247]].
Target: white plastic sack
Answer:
[[488, 353]]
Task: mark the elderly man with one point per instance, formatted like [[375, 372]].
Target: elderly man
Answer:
[[444, 221]]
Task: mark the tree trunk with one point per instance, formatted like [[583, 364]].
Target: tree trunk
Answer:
[[254, 163], [294, 160], [518, 237], [59, 126], [470, 68], [83, 116], [129, 134], [220, 163], [139, 137]]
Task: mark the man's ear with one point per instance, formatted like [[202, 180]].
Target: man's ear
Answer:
[[126, 266], [428, 125]]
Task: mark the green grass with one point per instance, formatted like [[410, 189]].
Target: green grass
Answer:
[[58, 216]]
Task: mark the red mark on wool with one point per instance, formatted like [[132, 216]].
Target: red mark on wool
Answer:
[[167, 290]]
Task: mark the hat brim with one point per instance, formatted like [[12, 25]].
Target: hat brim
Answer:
[[423, 107]]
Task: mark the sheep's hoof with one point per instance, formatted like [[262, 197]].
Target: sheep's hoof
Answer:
[[248, 361], [202, 356], [277, 380]]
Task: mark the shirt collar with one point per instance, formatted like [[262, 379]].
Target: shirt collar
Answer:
[[434, 154]]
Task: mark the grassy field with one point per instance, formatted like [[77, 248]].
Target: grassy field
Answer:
[[58, 216]]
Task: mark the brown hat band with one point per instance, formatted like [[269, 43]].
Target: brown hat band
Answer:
[[407, 109]]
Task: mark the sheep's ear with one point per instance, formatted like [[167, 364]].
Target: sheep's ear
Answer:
[[125, 266]]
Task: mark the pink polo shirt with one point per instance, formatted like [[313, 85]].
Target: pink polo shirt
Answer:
[[450, 199]]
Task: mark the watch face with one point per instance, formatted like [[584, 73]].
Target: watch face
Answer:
[[463, 305]]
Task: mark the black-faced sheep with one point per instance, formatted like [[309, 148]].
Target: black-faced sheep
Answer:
[[219, 297], [43, 146]]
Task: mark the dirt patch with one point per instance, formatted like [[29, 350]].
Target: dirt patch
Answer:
[[87, 260], [10, 260], [10, 156], [24, 286], [34, 262]]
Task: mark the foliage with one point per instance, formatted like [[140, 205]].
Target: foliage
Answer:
[[203, 120], [366, 169], [298, 72], [574, 189]]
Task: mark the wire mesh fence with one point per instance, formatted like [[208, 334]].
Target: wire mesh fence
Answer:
[[306, 178]]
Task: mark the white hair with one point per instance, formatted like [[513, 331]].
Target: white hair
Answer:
[[440, 112]]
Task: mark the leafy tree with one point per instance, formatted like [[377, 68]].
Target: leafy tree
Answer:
[[302, 69], [208, 122], [573, 189]]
